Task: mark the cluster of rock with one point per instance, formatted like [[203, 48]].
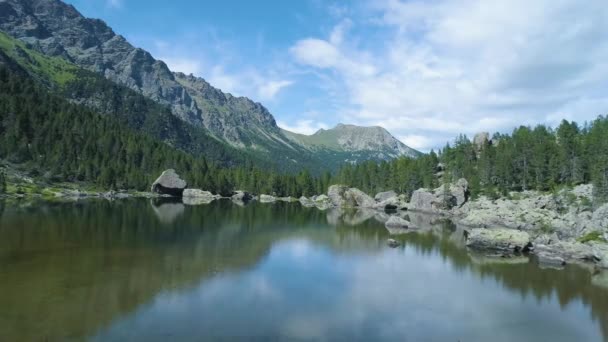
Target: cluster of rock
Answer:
[[547, 225]]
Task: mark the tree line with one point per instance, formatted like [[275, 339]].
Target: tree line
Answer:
[[59, 141], [530, 158]]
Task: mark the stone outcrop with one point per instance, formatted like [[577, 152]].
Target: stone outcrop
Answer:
[[359, 198], [336, 196], [169, 183], [569, 214], [502, 240]]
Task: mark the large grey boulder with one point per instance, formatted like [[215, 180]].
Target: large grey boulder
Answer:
[[360, 198], [444, 198], [385, 195], [503, 240], [423, 200], [169, 183], [336, 195]]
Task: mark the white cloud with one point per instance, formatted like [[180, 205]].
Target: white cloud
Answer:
[[307, 127], [268, 90], [316, 52], [114, 3], [449, 67]]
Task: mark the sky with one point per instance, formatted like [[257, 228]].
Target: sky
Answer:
[[426, 70]]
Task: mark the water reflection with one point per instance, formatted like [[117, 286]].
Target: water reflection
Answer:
[[158, 270]]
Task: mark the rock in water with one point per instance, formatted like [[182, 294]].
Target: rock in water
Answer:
[[169, 183], [360, 198], [197, 197], [336, 195], [396, 221], [392, 243], [267, 198], [242, 196], [551, 260], [504, 240]]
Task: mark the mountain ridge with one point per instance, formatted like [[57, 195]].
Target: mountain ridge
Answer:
[[57, 29]]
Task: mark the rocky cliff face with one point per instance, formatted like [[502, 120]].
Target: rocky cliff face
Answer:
[[58, 29], [351, 138]]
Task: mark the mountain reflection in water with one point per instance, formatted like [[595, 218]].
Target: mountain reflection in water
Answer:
[[153, 270]]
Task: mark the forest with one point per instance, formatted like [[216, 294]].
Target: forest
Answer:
[[62, 141]]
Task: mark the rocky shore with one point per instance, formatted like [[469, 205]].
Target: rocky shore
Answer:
[[557, 228]]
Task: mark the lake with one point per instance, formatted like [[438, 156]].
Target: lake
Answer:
[[146, 270]]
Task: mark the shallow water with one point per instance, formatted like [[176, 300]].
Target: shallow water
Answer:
[[141, 270]]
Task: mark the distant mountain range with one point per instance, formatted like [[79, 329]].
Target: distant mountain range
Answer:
[[238, 125]]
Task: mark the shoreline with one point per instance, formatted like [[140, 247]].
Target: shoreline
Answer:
[[557, 229]]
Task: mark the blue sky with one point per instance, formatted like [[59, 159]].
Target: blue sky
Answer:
[[425, 70]]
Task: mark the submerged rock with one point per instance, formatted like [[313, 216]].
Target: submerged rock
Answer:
[[169, 183], [550, 260], [392, 243], [396, 221], [504, 240]]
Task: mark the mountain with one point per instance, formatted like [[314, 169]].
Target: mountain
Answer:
[[360, 143], [57, 29]]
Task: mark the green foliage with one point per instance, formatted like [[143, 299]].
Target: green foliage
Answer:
[[592, 236]]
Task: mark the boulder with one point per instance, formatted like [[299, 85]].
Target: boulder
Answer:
[[336, 195], [307, 202], [344, 197], [550, 259], [423, 200], [198, 193], [169, 183], [444, 198], [322, 202], [241, 196], [385, 195], [503, 240], [267, 198], [359, 198]]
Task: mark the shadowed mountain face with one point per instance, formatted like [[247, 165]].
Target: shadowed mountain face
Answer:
[[58, 29], [146, 270]]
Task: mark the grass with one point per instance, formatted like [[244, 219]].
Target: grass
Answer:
[[592, 236], [54, 69]]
